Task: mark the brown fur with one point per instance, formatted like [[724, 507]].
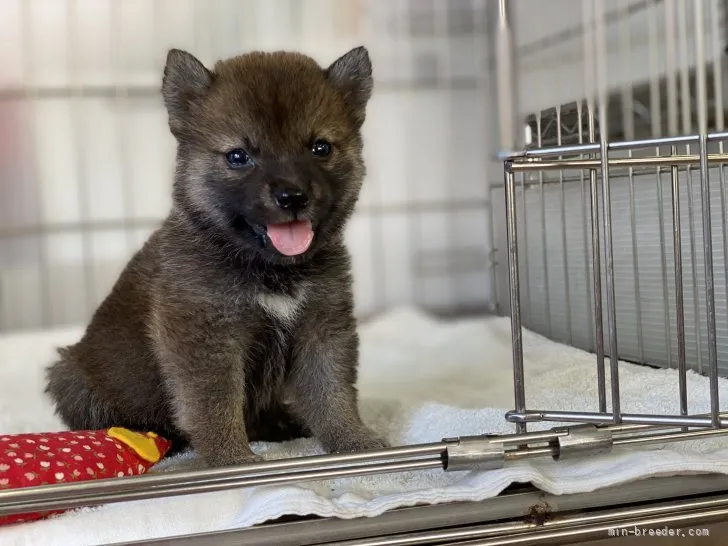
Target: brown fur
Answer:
[[210, 336]]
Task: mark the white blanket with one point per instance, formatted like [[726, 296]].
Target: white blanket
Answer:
[[421, 380]]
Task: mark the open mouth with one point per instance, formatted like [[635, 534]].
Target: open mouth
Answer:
[[291, 238]]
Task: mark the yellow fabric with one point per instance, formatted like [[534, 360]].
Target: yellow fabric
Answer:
[[143, 444]]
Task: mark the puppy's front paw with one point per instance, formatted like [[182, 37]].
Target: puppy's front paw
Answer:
[[233, 459], [357, 441]]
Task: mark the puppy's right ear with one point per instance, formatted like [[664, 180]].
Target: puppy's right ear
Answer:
[[185, 81]]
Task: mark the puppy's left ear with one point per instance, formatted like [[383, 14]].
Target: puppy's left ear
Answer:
[[185, 81], [351, 74]]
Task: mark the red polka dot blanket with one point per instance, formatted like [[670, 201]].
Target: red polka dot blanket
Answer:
[[28, 460]]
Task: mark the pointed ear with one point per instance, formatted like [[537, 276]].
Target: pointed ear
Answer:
[[351, 74], [185, 80]]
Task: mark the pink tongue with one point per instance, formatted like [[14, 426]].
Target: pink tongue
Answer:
[[291, 238]]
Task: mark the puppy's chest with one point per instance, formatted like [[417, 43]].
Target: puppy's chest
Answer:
[[277, 316], [270, 354], [283, 309]]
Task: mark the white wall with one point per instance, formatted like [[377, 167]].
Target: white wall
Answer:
[[99, 162]]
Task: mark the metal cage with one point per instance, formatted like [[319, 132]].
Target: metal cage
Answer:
[[673, 161], [579, 151]]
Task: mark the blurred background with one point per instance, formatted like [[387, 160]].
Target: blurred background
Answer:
[[86, 158]]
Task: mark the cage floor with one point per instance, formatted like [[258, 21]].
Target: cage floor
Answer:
[[421, 380]]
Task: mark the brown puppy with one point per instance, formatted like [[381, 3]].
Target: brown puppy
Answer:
[[234, 322]]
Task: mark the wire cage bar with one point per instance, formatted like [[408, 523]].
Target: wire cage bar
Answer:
[[602, 159]]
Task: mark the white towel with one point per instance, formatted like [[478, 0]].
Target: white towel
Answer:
[[421, 380]]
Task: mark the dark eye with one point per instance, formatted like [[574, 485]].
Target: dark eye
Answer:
[[238, 158], [321, 148]]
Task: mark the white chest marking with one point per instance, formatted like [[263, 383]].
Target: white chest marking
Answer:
[[283, 308]]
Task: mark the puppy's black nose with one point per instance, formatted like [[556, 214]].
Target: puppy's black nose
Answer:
[[290, 199]]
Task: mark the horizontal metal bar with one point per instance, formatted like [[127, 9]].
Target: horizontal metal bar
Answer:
[[400, 459], [554, 151], [511, 504], [77, 494], [606, 418], [619, 519], [56, 500], [596, 531], [634, 162], [554, 451], [637, 427], [153, 91], [648, 175], [13, 232], [664, 438]]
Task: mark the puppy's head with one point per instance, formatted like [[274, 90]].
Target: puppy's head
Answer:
[[269, 147]]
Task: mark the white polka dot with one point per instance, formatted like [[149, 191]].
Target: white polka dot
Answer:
[[90, 471], [60, 463], [59, 475], [101, 455], [29, 476], [140, 468], [108, 439], [4, 467], [100, 465], [73, 442], [96, 443], [14, 446], [45, 464], [119, 474], [29, 441], [28, 455], [11, 453], [87, 447], [4, 481], [5, 438], [44, 440], [18, 460], [66, 449], [130, 471], [44, 448]]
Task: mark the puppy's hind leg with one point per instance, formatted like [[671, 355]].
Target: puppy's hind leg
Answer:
[[78, 406]]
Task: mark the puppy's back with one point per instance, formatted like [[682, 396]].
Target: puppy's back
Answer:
[[110, 378]]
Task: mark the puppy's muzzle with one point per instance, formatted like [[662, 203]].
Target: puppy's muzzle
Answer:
[[291, 200]]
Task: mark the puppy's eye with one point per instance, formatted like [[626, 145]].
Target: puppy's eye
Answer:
[[238, 158], [321, 148]]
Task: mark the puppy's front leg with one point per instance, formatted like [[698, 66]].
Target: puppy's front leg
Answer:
[[209, 408], [205, 379], [323, 393]]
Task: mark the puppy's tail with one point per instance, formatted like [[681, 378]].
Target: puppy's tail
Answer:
[[75, 403]]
